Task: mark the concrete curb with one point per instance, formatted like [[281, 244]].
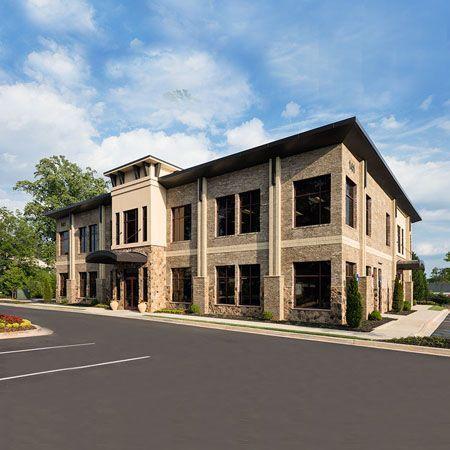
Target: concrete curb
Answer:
[[430, 327], [38, 331]]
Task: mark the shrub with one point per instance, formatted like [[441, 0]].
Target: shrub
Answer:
[[194, 309], [398, 298], [439, 299], [10, 319], [425, 341], [406, 306], [354, 304], [102, 305], [2, 325], [375, 315], [47, 292], [16, 325], [267, 315], [171, 311]]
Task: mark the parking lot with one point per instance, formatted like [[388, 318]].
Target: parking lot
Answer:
[[101, 382]]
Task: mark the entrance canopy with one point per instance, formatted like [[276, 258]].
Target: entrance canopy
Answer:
[[414, 264], [114, 257]]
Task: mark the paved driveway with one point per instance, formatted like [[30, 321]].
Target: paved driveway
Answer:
[[211, 389], [444, 328]]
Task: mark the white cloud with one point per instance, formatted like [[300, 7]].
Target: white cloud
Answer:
[[247, 135], [391, 123], [62, 15], [291, 110], [161, 88], [436, 215], [430, 249], [426, 103]]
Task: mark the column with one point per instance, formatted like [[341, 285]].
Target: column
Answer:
[[274, 282]]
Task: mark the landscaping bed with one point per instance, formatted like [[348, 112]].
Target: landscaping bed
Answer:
[[403, 313], [425, 341], [11, 324]]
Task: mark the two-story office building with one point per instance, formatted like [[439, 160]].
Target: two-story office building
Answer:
[[276, 228]]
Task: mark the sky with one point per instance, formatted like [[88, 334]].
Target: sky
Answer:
[[106, 82]]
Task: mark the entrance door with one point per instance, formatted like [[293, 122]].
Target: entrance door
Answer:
[[131, 288]]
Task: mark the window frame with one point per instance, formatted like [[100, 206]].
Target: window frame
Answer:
[[83, 240], [63, 277], [64, 243], [323, 275], [182, 223], [93, 237], [368, 215], [144, 224], [117, 228], [93, 275], [228, 278], [350, 271], [182, 284], [126, 222], [350, 202], [145, 283], [229, 209], [254, 277], [253, 204], [82, 284], [388, 229]]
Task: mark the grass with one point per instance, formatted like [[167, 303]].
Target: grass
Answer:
[[426, 341], [436, 308]]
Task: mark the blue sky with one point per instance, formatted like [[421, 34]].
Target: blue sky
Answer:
[[104, 82]]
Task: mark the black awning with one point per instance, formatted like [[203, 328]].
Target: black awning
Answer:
[[414, 264], [114, 257]]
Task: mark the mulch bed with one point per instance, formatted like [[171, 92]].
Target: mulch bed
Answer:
[[403, 313], [15, 330]]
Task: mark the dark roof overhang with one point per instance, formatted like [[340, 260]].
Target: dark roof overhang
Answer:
[[348, 131], [414, 264], [85, 205], [115, 257]]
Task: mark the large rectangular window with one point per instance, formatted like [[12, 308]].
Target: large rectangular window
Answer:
[[350, 271], [117, 228], [64, 243], [83, 284], [225, 285], [399, 237], [182, 285], [249, 205], [312, 201], [388, 230], [63, 284], [250, 284], [93, 238], [181, 223], [368, 216], [145, 283], [350, 203], [93, 284], [225, 215], [144, 223], [130, 222], [313, 284], [83, 239]]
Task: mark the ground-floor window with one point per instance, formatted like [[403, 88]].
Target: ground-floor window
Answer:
[[182, 285], [118, 290], [93, 284], [312, 284], [225, 285], [83, 284], [250, 284], [63, 284], [145, 283], [350, 271]]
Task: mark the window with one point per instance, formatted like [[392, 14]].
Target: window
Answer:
[[181, 223], [130, 218], [403, 241], [399, 237], [312, 284], [368, 271], [388, 230], [118, 286], [312, 201], [350, 203], [182, 285], [83, 284], [250, 282], [64, 243], [350, 271], [144, 223], [117, 228], [83, 239], [145, 283], [63, 284], [249, 205], [225, 215], [93, 238], [225, 285], [93, 284], [368, 215]]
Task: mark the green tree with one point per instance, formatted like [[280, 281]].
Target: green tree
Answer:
[[57, 183], [354, 304], [420, 286], [398, 297]]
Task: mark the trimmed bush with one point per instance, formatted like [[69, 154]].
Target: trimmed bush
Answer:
[[375, 315], [47, 291], [171, 311], [267, 315], [406, 306], [353, 313], [398, 298], [194, 309], [439, 299]]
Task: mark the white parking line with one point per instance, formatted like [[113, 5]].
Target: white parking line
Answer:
[[45, 348], [65, 369]]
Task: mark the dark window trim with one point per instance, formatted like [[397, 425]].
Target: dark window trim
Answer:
[[225, 207], [254, 288], [350, 271], [321, 279], [181, 223], [83, 284], [82, 235], [254, 210], [388, 229], [131, 238], [93, 284], [181, 285], [145, 283], [350, 199], [64, 243], [144, 223], [117, 228], [227, 276], [368, 216], [93, 237]]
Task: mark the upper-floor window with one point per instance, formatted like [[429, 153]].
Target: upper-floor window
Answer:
[[225, 285], [117, 228], [312, 201], [93, 238], [181, 223], [368, 215], [350, 203], [83, 239], [182, 285], [144, 223], [250, 284], [225, 215], [130, 221], [64, 243], [400, 240], [249, 206], [312, 284], [388, 229]]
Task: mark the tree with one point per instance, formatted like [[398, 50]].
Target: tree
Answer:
[[420, 284], [398, 297], [57, 183], [354, 304]]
